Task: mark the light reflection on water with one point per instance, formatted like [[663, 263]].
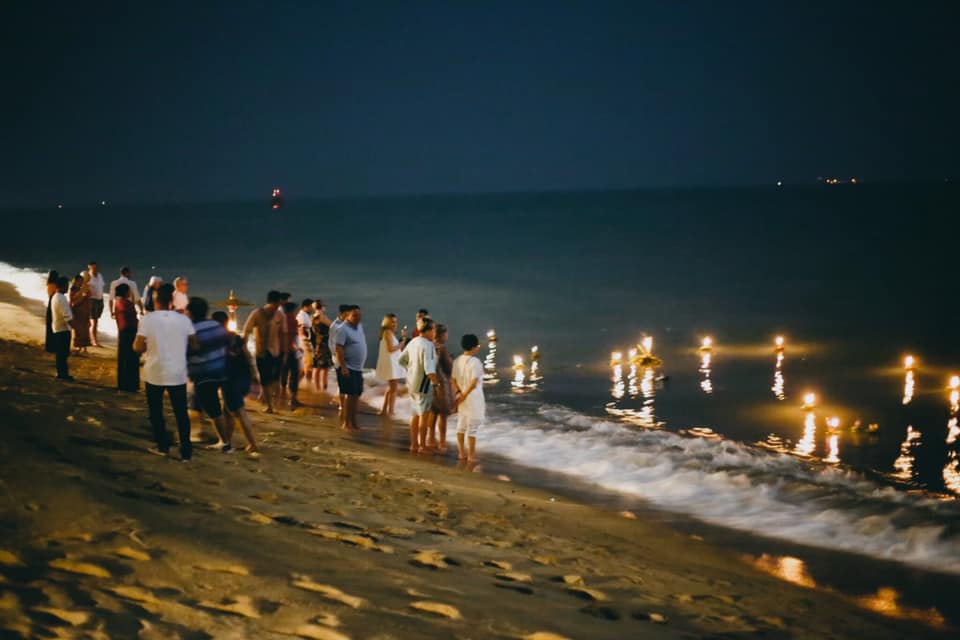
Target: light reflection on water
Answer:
[[778, 380], [706, 384], [622, 386], [490, 362], [903, 465], [808, 443], [886, 601]]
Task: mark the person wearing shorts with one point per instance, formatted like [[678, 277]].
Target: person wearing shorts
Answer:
[[467, 380], [351, 344], [269, 328], [420, 359], [239, 375], [207, 366], [97, 286]]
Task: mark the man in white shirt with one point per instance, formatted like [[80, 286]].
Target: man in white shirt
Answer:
[[59, 316], [124, 278], [420, 359], [164, 336], [97, 286], [180, 297]]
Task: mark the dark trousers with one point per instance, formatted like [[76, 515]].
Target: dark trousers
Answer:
[[128, 361], [290, 372], [178, 401], [61, 345]]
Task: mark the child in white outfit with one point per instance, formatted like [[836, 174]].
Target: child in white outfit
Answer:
[[467, 382]]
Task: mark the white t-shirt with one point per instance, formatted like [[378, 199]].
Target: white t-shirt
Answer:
[[167, 334], [96, 286], [180, 301], [127, 281], [420, 359], [60, 313], [305, 322], [466, 369]]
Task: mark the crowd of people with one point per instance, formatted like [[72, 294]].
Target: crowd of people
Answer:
[[192, 358]]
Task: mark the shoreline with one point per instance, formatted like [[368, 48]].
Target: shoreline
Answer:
[[214, 549]]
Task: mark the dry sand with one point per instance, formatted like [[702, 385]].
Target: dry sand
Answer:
[[327, 537]]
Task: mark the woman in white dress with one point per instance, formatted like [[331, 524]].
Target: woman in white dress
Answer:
[[388, 361]]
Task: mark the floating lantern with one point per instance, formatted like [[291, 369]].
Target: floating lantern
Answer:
[[707, 344], [909, 362], [779, 343], [809, 401]]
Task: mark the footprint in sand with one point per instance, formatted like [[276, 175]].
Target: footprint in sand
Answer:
[[364, 542], [235, 569], [74, 618], [499, 564], [328, 592], [398, 532], [652, 617], [82, 568], [312, 632], [514, 576], [544, 635], [239, 605], [132, 554], [431, 559], [437, 609], [9, 559], [587, 594]]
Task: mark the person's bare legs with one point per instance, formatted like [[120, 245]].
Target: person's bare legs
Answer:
[[323, 379], [269, 392], [461, 448], [393, 398], [414, 433], [224, 429], [246, 425], [429, 427], [350, 414], [388, 398], [472, 441], [442, 433], [93, 331]]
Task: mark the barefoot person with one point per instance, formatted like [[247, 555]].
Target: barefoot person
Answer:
[[269, 328], [322, 357], [164, 336], [352, 355], [471, 407], [80, 307], [207, 367], [420, 359], [443, 403], [344, 309], [240, 372], [97, 285], [388, 362]]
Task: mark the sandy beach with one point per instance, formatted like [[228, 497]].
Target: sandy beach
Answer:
[[330, 537]]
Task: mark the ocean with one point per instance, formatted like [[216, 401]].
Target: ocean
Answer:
[[854, 278]]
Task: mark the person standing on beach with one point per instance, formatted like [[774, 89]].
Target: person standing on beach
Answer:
[[421, 314], [124, 278], [352, 355], [239, 375], [471, 406], [165, 336], [269, 328], [443, 402], [290, 373], [306, 337], [322, 356], [58, 323], [180, 294], [344, 309], [80, 306], [149, 294], [96, 283], [420, 359], [207, 366], [128, 360], [388, 362]]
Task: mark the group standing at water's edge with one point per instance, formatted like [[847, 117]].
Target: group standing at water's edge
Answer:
[[181, 361]]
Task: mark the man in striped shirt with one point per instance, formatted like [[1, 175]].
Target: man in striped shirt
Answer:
[[207, 366]]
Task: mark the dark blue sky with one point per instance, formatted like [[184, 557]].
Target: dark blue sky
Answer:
[[168, 101]]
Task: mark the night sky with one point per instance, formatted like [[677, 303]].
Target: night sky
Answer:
[[155, 102]]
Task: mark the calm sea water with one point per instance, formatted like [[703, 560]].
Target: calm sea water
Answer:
[[855, 278]]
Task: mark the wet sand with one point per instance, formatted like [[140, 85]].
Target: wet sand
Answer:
[[326, 536]]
